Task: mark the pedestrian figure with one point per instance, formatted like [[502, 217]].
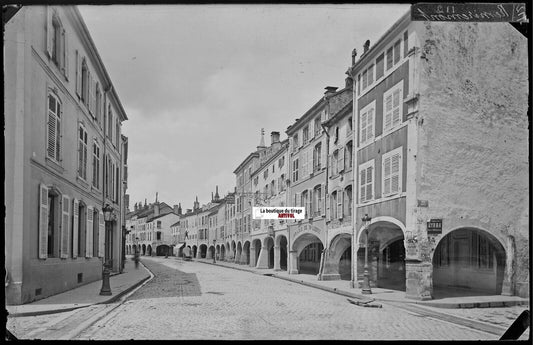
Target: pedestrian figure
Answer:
[[136, 259]]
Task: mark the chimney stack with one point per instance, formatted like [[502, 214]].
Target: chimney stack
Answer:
[[366, 46], [354, 54], [330, 90], [274, 138]]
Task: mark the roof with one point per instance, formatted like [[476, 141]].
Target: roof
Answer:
[[246, 160], [339, 114], [161, 215], [177, 223]]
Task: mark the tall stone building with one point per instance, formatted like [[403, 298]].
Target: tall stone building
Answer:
[[441, 159], [63, 158]]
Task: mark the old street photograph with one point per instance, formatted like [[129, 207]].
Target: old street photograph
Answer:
[[334, 171]]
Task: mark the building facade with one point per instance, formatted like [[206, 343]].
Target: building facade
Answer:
[[64, 156], [441, 153]]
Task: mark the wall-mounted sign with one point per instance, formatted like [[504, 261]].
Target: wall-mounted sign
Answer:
[[469, 12], [434, 226]]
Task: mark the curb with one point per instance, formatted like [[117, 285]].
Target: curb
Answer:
[[56, 311]]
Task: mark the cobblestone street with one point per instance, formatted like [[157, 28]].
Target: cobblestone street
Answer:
[[188, 300]]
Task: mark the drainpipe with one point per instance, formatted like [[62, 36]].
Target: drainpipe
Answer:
[[323, 256]]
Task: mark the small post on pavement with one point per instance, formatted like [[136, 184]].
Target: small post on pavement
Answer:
[[214, 251], [365, 289], [106, 288]]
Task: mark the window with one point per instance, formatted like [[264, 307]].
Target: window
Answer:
[[98, 106], [318, 127], [295, 170], [50, 215], [53, 149], [317, 157], [265, 174], [96, 165], [405, 44], [295, 144], [365, 79], [306, 202], [392, 106], [358, 84], [273, 166], [256, 180], [109, 123], [366, 181], [281, 183], [305, 135], [272, 187], [159, 224], [348, 201], [317, 201], [349, 127], [281, 162], [333, 205], [380, 66], [56, 45], [117, 131], [334, 164], [336, 134], [397, 51], [82, 153], [366, 129], [348, 160], [392, 174], [84, 82], [389, 58]]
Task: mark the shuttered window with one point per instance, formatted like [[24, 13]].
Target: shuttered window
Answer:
[[392, 163], [82, 152], [53, 150], [366, 127], [380, 66], [43, 221], [65, 227], [295, 170], [75, 227], [96, 165], [366, 181], [397, 53], [333, 206], [392, 105], [89, 233]]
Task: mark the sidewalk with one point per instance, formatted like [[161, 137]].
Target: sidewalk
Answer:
[[342, 287], [85, 295]]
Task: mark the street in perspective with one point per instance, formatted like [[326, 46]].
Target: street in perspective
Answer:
[[232, 172]]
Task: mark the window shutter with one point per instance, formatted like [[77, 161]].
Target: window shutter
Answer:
[[78, 74], [65, 55], [310, 204], [388, 111], [341, 159], [330, 165], [387, 176], [52, 135], [49, 31], [75, 228], [65, 229], [396, 106], [311, 130], [323, 195], [43, 221], [340, 195], [323, 157], [363, 127], [362, 181], [370, 183], [395, 173], [92, 90], [89, 233], [370, 123], [101, 234]]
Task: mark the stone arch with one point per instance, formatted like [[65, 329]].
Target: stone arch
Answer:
[[194, 251], [149, 250], [238, 252], [223, 252], [211, 252], [144, 249], [256, 251], [233, 250], [306, 254], [386, 253], [338, 259], [163, 250], [379, 219], [246, 253], [203, 250], [468, 261]]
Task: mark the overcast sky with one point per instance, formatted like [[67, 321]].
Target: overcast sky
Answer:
[[198, 82]]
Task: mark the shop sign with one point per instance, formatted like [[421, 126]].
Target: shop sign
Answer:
[[434, 226]]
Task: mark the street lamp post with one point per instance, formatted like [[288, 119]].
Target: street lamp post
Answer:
[[214, 251], [365, 288], [106, 288]]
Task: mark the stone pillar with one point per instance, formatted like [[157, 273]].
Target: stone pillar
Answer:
[[293, 262], [276, 259], [237, 257], [419, 280], [208, 255], [252, 256], [330, 269], [263, 258], [508, 287], [244, 257]]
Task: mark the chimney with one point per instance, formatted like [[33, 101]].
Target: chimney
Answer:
[[274, 138], [176, 209], [349, 79], [135, 207], [330, 90], [354, 54], [217, 197], [366, 46], [179, 209]]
